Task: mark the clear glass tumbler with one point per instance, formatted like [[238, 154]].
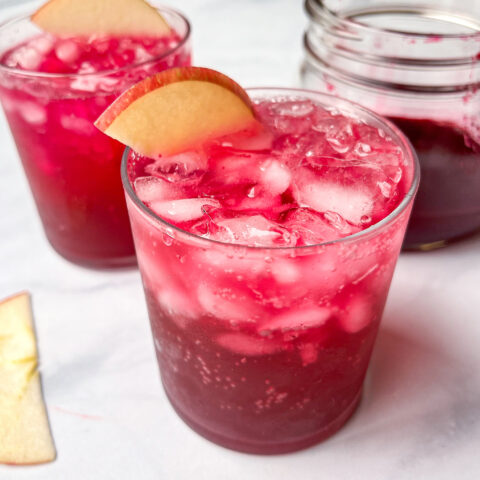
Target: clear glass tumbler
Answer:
[[72, 168], [265, 350]]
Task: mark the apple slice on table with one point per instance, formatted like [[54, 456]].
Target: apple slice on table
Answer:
[[177, 110], [24, 431], [108, 17]]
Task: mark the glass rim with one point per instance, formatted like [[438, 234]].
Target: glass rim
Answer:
[[47, 75], [318, 9], [330, 100]]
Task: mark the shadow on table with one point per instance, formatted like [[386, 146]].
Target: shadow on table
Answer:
[[419, 396]]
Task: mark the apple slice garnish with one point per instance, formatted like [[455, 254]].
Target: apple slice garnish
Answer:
[[177, 110], [101, 17], [24, 430]]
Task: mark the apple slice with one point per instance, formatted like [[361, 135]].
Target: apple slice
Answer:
[[178, 110], [108, 17], [24, 431]]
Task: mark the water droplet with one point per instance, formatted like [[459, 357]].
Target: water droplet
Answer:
[[167, 239], [385, 188]]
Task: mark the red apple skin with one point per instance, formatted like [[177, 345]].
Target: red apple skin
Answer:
[[173, 75]]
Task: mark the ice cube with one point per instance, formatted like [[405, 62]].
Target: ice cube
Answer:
[[288, 116], [339, 223], [86, 67], [362, 149], [285, 271], [43, 44], [67, 51], [295, 150], [275, 176], [291, 125], [226, 304], [186, 166], [393, 173], [253, 230], [155, 274], [357, 315], [33, 113], [9, 103], [27, 58], [308, 353], [153, 189], [323, 273], [248, 141], [379, 144], [236, 169], [255, 198], [297, 320], [293, 108], [80, 126], [234, 261], [312, 228], [183, 210], [338, 132], [178, 305], [352, 201], [248, 345], [386, 188], [165, 281], [93, 83]]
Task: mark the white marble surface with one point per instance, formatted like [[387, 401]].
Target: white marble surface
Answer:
[[420, 416]]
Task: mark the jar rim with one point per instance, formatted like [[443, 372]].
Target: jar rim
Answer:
[[391, 59], [399, 89], [317, 9]]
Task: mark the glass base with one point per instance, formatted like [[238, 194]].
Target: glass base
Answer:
[[99, 263], [271, 448], [429, 246], [426, 247], [434, 232]]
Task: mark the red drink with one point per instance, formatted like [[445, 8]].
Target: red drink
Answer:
[[266, 262], [448, 203], [422, 72], [52, 90]]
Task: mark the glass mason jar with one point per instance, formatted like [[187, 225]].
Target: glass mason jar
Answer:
[[264, 349], [419, 66], [73, 168]]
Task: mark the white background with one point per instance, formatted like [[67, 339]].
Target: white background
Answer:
[[420, 415]]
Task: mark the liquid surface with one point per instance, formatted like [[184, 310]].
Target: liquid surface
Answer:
[[312, 176], [49, 54]]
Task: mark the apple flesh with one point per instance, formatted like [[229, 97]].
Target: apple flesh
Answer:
[[24, 430], [96, 17], [177, 110]]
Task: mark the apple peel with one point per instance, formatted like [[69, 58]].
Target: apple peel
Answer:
[[25, 436], [100, 17], [177, 110]]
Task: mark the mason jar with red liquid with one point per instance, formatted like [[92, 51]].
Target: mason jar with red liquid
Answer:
[[52, 88], [419, 66]]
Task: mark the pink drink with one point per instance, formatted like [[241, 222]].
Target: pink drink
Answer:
[[264, 308], [52, 90]]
